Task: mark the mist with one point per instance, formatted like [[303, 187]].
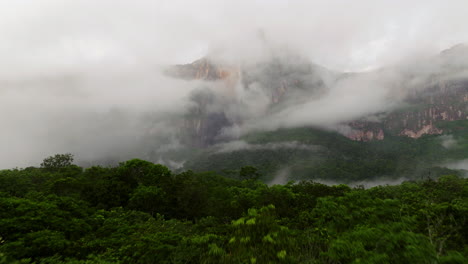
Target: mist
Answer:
[[238, 145], [87, 77], [461, 165]]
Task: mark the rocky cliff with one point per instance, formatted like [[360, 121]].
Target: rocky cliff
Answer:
[[441, 94], [278, 79], [422, 112], [205, 69]]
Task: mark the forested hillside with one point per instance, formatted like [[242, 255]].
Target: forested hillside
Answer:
[[140, 212], [315, 154]]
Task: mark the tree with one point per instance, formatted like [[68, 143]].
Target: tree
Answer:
[[57, 161], [249, 173], [384, 243], [148, 199], [257, 238]]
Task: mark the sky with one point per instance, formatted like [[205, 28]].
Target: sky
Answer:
[[43, 35], [83, 76]]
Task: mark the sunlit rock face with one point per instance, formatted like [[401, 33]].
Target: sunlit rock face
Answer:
[[365, 131], [206, 70], [202, 69]]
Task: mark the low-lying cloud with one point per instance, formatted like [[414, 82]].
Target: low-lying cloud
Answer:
[[458, 165], [94, 116], [240, 145], [448, 141]]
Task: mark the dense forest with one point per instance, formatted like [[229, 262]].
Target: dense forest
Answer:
[[140, 212], [308, 153]]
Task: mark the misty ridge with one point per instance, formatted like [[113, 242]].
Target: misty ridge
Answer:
[[113, 92]]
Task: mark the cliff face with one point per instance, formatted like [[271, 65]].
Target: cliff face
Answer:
[[441, 95], [203, 69], [365, 131], [206, 70], [201, 126], [444, 101], [204, 130], [278, 78]]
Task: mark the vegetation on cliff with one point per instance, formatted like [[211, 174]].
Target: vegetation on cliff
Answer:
[[308, 153]]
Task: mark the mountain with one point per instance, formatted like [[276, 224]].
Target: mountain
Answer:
[[441, 93], [405, 141], [277, 83], [442, 96]]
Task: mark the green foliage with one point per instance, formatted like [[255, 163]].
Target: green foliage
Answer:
[[390, 243], [140, 212], [148, 199], [57, 161], [258, 235], [331, 156], [249, 173]]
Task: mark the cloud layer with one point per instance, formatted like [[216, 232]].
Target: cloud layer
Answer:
[[85, 76]]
